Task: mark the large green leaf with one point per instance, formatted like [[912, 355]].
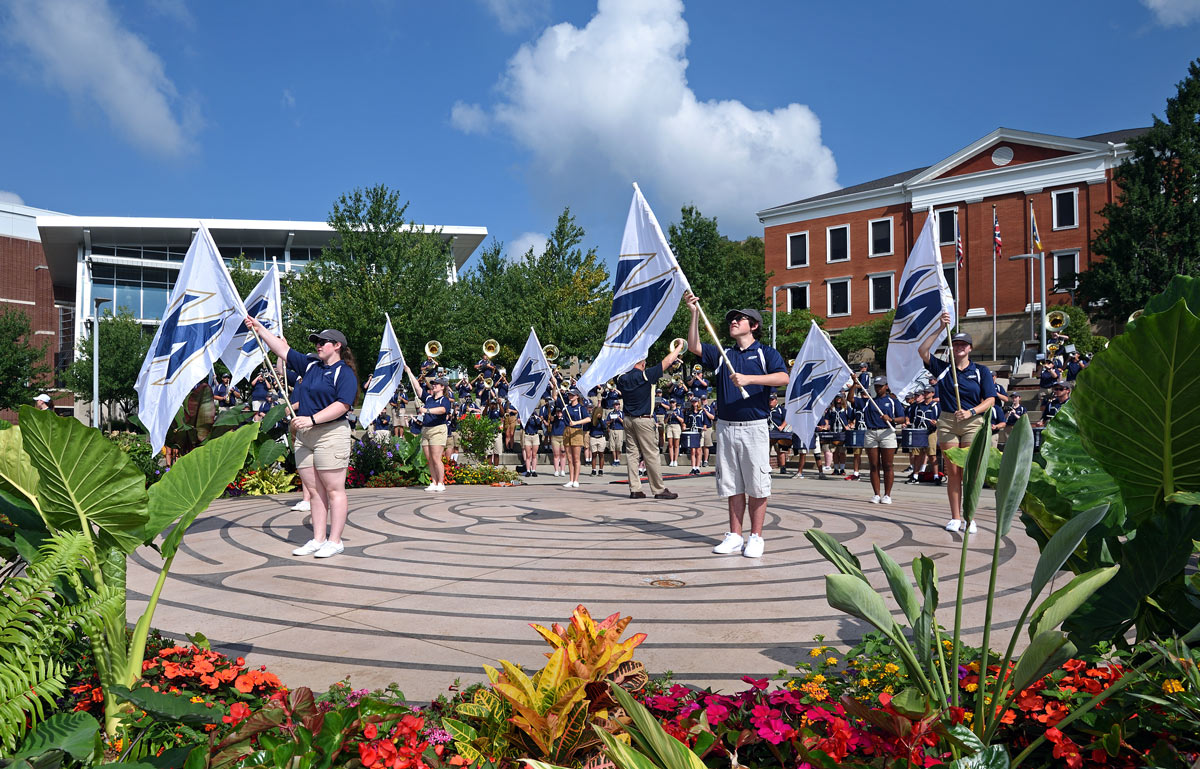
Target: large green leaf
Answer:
[[1063, 602], [1076, 475], [1136, 408], [72, 732], [1061, 545], [1015, 466], [17, 473], [974, 474], [848, 593], [1183, 287], [835, 553], [925, 572], [84, 476], [169, 708], [1048, 650], [195, 480], [902, 589]]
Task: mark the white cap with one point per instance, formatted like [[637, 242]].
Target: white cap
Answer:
[[43, 397]]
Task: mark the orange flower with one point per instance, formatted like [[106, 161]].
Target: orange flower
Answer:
[[1055, 712], [203, 666], [243, 684]]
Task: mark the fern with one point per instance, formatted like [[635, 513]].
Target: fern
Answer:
[[33, 620]]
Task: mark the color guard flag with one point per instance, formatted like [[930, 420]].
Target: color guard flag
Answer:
[[244, 354], [924, 295], [203, 313], [531, 377], [1037, 240], [384, 379], [646, 291], [818, 375], [997, 244]]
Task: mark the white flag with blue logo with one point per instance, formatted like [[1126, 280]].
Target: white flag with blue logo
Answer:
[[203, 314], [818, 375], [531, 377], [646, 292], [244, 354], [924, 295], [389, 369]]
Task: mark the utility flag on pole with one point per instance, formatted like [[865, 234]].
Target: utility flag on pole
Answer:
[[924, 296], [997, 244], [244, 354], [1037, 239], [203, 314], [818, 375], [384, 379], [531, 377], [646, 291]]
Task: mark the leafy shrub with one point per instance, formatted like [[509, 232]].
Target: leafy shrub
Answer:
[[480, 474], [400, 457], [477, 434], [269, 480]]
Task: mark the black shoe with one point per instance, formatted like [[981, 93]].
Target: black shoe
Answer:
[[593, 473], [637, 495], [535, 475], [666, 494], [526, 474], [599, 472]]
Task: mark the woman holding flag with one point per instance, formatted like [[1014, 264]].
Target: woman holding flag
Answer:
[[327, 392], [967, 392], [435, 415]]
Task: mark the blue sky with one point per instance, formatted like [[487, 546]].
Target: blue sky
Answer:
[[500, 112]]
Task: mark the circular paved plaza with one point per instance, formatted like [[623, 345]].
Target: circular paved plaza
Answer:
[[433, 586]]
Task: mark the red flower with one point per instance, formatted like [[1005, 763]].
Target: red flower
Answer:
[[238, 712], [371, 731]]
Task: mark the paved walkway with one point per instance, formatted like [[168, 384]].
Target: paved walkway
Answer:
[[433, 586]]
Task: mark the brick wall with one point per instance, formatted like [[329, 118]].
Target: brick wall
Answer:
[[28, 289]]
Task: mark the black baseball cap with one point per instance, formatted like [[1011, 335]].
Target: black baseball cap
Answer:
[[329, 335], [749, 313]]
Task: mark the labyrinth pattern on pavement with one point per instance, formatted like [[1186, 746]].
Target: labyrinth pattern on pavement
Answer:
[[433, 586]]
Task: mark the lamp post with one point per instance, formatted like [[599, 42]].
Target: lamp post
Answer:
[[96, 302], [1041, 268], [774, 308]]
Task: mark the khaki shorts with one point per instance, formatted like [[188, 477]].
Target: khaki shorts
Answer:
[[436, 435], [557, 441], [743, 459], [706, 438], [531, 439], [618, 439], [596, 445], [574, 437], [498, 444], [674, 431], [952, 431], [881, 439], [324, 447]]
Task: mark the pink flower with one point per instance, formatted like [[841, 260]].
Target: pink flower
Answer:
[[662, 703], [774, 731], [716, 712]]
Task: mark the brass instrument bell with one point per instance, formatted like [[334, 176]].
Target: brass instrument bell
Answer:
[[551, 353], [491, 348], [433, 348], [1056, 320]]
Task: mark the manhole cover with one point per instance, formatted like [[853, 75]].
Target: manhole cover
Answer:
[[666, 583]]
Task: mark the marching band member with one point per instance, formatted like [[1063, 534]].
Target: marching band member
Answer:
[[881, 415], [674, 428], [778, 424], [597, 427], [1062, 393], [575, 416], [706, 437], [494, 410], [1012, 415], [435, 413], [697, 422], [974, 396], [558, 428], [530, 440], [616, 431]]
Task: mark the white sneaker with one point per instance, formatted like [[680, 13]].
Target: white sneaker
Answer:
[[302, 506], [431, 487], [574, 484], [440, 487], [754, 547], [954, 525], [972, 528], [329, 548], [731, 544], [874, 500], [827, 470], [568, 485], [887, 500], [308, 548]]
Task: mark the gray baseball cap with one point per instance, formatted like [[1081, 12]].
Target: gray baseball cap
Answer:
[[749, 313], [330, 334], [963, 337]]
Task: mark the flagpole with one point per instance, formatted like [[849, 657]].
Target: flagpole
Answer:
[[995, 258], [957, 302], [287, 400]]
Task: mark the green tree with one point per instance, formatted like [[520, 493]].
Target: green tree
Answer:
[[1152, 232], [378, 262], [20, 360], [872, 335], [791, 329], [123, 347]]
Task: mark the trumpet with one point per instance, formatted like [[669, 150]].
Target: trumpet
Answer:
[[551, 353], [697, 370], [433, 348], [1056, 320], [791, 362], [491, 348], [503, 372]]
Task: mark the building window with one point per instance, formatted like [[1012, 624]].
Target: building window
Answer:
[[1066, 271], [951, 273], [881, 236], [837, 243], [797, 297], [1066, 209], [838, 297], [947, 222], [797, 250], [882, 291]]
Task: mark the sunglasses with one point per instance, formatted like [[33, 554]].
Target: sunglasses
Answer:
[[325, 341], [738, 319]]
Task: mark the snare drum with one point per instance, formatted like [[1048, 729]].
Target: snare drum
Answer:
[[829, 437], [689, 439], [782, 439], [856, 439], [914, 438]]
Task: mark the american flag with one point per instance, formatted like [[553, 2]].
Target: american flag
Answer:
[[1037, 240], [997, 244], [959, 256]]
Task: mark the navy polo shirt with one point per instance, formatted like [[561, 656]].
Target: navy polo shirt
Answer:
[[778, 417], [635, 389], [697, 420], [533, 424], [926, 415], [1015, 414], [757, 359], [1052, 408], [558, 422], [616, 420], [888, 404], [323, 385], [495, 412], [975, 383], [1073, 369], [433, 420], [259, 391], [679, 392], [609, 401], [382, 422], [597, 429], [576, 412], [1047, 377]]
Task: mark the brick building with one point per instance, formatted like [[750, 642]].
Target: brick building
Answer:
[[841, 254], [55, 266]]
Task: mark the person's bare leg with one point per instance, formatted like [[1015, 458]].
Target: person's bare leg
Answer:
[[887, 457], [758, 514], [333, 483], [873, 460], [737, 511], [318, 510]]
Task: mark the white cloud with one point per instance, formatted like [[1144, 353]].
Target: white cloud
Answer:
[[1174, 13], [469, 118], [611, 102], [289, 100], [81, 47], [176, 10], [11, 197], [526, 240], [516, 15]]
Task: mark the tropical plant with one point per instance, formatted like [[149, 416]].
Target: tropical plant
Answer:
[[267, 480], [399, 459], [476, 435], [487, 735], [75, 480], [594, 650]]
